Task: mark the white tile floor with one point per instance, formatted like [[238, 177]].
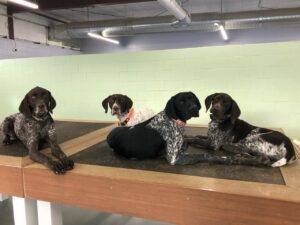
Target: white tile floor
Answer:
[[78, 216]]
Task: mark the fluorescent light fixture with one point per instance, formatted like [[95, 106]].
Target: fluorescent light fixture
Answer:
[[25, 3], [98, 36], [222, 30]]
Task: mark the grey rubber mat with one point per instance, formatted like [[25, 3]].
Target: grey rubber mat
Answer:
[[101, 154], [64, 130]]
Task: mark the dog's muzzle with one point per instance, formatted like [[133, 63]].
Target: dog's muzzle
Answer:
[[194, 111], [40, 110]]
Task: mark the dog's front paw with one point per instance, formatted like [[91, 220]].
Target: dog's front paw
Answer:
[[57, 167], [7, 141], [67, 163]]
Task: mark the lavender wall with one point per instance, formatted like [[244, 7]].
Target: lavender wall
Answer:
[[192, 39]]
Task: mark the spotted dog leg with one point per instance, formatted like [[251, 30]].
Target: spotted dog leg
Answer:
[[193, 137], [36, 156], [67, 163], [246, 156], [8, 131], [251, 161], [7, 140], [189, 159], [198, 141], [231, 148]]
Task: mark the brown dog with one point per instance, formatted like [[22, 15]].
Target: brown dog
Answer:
[[33, 125]]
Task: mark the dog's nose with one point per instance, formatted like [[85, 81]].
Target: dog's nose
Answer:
[[41, 106], [213, 110]]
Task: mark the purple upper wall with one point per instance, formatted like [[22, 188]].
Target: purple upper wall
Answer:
[[191, 40]]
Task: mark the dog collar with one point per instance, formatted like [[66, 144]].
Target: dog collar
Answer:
[[130, 114], [180, 123]]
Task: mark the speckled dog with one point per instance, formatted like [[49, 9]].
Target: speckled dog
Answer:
[[227, 132], [162, 135], [33, 126]]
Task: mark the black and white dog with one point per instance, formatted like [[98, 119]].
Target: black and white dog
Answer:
[[161, 135], [229, 133], [121, 106]]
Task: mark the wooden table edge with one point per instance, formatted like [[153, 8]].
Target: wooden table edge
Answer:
[[236, 187]]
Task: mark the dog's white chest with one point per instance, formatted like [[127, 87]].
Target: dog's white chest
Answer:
[[218, 137]]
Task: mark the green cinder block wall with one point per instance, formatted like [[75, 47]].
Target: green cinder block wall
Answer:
[[263, 78]]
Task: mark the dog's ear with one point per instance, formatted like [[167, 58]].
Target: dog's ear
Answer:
[[171, 108], [52, 102], [24, 107], [128, 103], [105, 103], [235, 112], [208, 100]]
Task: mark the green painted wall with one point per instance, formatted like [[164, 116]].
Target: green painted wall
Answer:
[[263, 78]]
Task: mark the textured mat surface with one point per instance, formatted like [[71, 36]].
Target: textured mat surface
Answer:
[[65, 131], [102, 155]]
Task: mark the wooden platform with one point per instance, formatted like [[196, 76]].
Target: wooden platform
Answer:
[[200, 194], [14, 157]]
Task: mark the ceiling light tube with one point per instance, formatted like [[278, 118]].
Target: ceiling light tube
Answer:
[[223, 33], [25, 3], [222, 30], [98, 36]]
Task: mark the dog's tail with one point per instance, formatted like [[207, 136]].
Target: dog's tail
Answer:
[[290, 155], [280, 162]]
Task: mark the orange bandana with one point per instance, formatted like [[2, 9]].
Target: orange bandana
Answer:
[[130, 114]]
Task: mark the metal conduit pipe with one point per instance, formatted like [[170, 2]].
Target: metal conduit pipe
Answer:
[[152, 25], [175, 9]]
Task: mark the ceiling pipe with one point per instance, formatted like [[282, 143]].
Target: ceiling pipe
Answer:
[[201, 22], [175, 9]]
